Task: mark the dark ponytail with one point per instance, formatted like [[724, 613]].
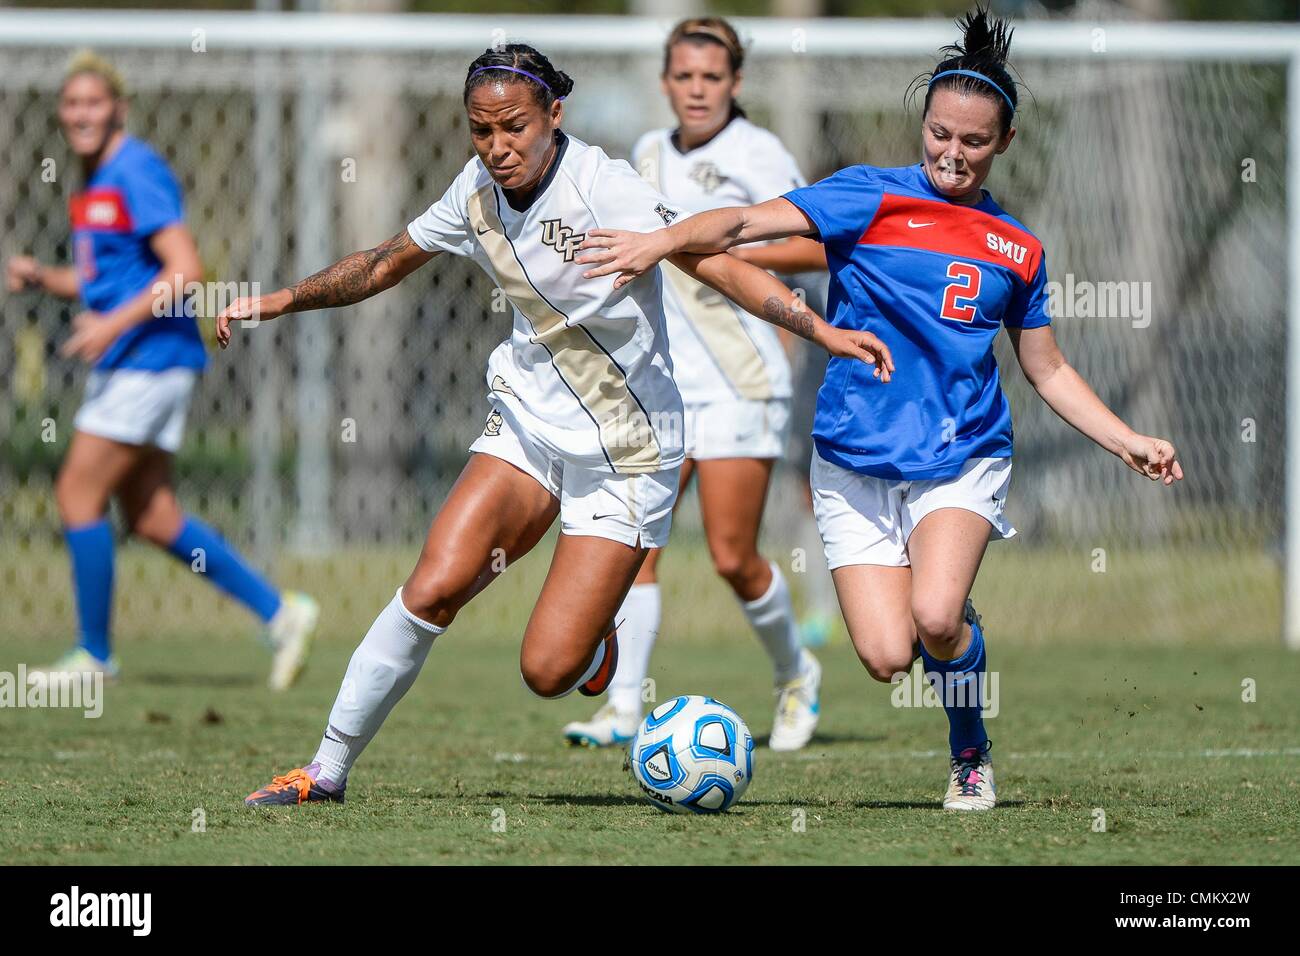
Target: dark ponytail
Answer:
[[983, 50], [519, 63]]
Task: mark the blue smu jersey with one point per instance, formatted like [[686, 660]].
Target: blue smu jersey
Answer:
[[126, 200], [934, 280]]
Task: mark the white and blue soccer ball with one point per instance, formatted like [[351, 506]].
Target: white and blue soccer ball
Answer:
[[692, 755]]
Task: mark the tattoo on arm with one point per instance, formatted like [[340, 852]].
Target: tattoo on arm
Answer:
[[349, 280], [797, 320]]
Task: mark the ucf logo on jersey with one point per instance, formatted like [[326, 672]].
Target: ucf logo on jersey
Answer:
[[493, 425], [707, 176], [561, 238]]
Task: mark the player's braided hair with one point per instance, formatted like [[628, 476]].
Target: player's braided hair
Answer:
[[983, 50], [548, 83], [705, 30]]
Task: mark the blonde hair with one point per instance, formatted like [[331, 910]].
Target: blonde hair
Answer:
[[88, 61], [707, 30]]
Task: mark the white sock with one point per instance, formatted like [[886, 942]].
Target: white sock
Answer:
[[638, 627], [772, 618], [383, 668]]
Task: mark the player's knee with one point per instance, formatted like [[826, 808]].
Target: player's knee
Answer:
[[428, 597], [886, 667], [153, 528], [738, 568], [545, 678], [937, 626], [68, 493]]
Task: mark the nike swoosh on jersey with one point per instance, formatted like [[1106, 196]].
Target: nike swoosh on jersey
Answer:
[[918, 225]]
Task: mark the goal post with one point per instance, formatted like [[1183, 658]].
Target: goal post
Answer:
[[1158, 162]]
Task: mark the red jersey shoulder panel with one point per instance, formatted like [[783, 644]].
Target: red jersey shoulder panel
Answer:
[[934, 226]]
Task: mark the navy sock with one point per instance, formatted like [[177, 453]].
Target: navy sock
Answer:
[[223, 566], [960, 686], [91, 547]]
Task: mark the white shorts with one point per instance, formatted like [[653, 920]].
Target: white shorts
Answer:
[[739, 428], [866, 520], [597, 503], [138, 407]]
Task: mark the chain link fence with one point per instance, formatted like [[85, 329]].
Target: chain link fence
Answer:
[[324, 444]]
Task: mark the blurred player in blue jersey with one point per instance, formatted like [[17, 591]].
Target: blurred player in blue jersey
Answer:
[[909, 481], [130, 243]]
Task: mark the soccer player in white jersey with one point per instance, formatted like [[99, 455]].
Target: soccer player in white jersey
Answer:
[[910, 481], [734, 378], [585, 419]]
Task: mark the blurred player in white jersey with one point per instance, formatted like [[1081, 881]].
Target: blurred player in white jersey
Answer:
[[585, 418], [734, 378]]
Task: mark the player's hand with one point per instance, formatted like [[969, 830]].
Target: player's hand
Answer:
[[848, 343], [1153, 457], [22, 273], [248, 308], [92, 334], [629, 254]]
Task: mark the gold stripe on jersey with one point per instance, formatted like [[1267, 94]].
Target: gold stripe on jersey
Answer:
[[587, 369], [716, 323]]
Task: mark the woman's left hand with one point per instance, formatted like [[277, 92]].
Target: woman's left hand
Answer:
[[1153, 457], [850, 343], [91, 337]]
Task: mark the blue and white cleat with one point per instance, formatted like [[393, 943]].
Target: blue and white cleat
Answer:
[[290, 633], [798, 707], [609, 727], [970, 782], [294, 788]]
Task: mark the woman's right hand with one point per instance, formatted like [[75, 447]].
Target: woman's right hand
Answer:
[[22, 273], [251, 309]]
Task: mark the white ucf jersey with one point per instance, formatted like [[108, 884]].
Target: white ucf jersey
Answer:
[[720, 352], [585, 372]]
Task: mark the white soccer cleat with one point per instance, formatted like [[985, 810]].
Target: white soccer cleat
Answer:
[[77, 662], [608, 727], [291, 632], [798, 707], [970, 784]]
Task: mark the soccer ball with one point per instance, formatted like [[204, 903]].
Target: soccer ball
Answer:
[[692, 755]]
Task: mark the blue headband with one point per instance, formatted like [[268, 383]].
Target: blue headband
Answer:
[[978, 76], [512, 69]]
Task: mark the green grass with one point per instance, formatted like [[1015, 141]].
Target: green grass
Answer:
[[1151, 731]]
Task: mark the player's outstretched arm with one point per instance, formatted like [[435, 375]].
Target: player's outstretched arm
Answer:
[[630, 254], [762, 294], [350, 280], [94, 332], [23, 273], [1072, 398]]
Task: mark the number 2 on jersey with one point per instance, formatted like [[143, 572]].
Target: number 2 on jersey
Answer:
[[958, 296]]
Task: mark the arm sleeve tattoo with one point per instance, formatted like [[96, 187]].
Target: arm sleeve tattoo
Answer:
[[797, 320], [349, 280]]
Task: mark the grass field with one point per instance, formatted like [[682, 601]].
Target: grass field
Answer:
[[1153, 733]]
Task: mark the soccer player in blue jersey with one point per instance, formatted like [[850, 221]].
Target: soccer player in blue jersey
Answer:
[[909, 481], [131, 248]]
